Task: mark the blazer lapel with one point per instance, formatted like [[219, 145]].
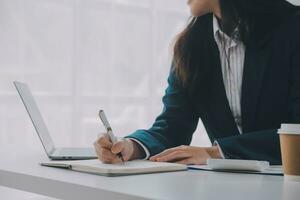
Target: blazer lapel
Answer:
[[218, 102], [256, 59], [209, 93]]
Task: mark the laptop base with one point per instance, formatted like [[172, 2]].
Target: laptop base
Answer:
[[73, 154]]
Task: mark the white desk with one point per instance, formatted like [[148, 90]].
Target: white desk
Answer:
[[22, 171]]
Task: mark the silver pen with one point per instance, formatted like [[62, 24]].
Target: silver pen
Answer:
[[110, 133]]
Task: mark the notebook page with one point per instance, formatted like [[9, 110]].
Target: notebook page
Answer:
[[137, 166]]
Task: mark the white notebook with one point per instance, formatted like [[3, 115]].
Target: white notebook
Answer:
[[128, 168]]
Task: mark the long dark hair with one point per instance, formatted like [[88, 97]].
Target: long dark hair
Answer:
[[254, 19]]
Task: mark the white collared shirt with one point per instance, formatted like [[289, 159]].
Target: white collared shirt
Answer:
[[232, 56]]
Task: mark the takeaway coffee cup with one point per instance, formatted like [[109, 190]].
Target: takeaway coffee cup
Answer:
[[290, 150]]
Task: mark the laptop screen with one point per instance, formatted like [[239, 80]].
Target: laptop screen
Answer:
[[35, 116]]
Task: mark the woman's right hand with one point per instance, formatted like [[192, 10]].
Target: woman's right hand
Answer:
[[107, 152]]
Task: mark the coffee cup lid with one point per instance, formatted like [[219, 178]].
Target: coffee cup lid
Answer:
[[289, 129]]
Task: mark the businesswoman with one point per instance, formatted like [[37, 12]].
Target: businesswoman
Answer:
[[237, 67]]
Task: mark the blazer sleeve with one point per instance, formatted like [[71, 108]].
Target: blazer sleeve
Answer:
[[265, 145], [175, 125]]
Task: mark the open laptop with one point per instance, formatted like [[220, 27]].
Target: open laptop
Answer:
[[43, 133]]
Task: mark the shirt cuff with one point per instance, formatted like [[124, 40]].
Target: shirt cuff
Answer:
[[220, 150], [144, 148]]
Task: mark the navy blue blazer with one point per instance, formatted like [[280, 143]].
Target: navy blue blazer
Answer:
[[270, 96]]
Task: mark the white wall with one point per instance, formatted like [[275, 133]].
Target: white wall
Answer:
[[82, 55]]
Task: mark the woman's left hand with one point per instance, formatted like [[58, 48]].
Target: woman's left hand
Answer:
[[187, 155]]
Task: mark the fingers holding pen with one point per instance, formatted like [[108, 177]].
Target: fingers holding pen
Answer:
[[108, 157], [118, 147], [104, 141], [103, 148], [107, 152]]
